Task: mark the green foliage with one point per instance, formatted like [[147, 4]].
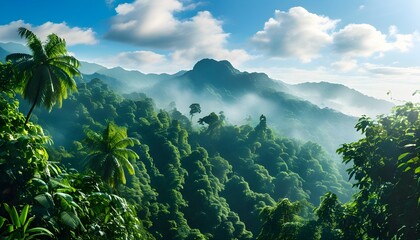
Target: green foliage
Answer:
[[210, 183], [17, 226], [109, 155], [386, 169], [280, 221], [65, 203], [22, 153], [194, 109], [47, 74], [8, 84]]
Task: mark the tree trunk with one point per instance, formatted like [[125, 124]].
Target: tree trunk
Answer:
[[30, 112], [33, 106]]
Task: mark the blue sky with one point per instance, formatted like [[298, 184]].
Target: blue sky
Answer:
[[372, 46]]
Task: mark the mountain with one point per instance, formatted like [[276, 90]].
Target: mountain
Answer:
[[89, 68], [129, 81], [222, 75], [15, 47], [341, 98], [3, 54], [218, 87]]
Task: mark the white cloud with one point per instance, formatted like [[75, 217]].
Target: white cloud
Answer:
[[73, 36], [304, 35], [296, 33], [364, 40], [403, 42], [361, 7], [345, 65], [360, 40], [9, 33], [390, 70], [146, 60], [153, 24]]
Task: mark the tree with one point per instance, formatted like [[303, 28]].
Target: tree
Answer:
[[109, 155], [280, 221], [47, 74], [194, 108], [386, 169]]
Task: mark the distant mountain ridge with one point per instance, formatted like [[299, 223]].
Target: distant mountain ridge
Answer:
[[341, 98], [221, 87], [309, 111]]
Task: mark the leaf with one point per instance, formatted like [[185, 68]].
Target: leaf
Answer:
[[2, 220], [45, 200], [13, 215], [417, 171], [68, 198], [24, 214], [403, 156], [39, 231], [70, 219], [25, 226]]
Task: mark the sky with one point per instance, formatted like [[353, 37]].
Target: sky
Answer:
[[372, 46]]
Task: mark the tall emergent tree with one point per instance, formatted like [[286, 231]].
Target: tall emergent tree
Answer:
[[109, 155], [47, 74], [194, 108]]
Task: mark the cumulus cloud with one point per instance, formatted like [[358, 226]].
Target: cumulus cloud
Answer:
[[360, 40], [153, 24], [304, 35], [72, 35], [364, 40], [8, 32], [296, 33]]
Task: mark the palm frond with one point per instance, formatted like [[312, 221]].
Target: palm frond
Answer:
[[127, 164], [126, 142], [34, 44], [64, 78], [55, 46], [128, 153], [67, 64], [18, 57]]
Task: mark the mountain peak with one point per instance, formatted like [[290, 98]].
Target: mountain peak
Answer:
[[212, 66]]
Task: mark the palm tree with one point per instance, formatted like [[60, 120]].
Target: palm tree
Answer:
[[109, 155], [47, 74]]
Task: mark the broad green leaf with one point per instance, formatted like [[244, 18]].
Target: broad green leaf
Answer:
[[2, 220], [45, 200], [39, 231], [13, 215], [24, 214], [70, 219]]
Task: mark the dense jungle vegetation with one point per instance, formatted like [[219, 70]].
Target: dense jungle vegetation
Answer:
[[127, 170]]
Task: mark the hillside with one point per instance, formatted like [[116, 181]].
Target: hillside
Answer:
[[219, 87], [341, 98], [182, 169]]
